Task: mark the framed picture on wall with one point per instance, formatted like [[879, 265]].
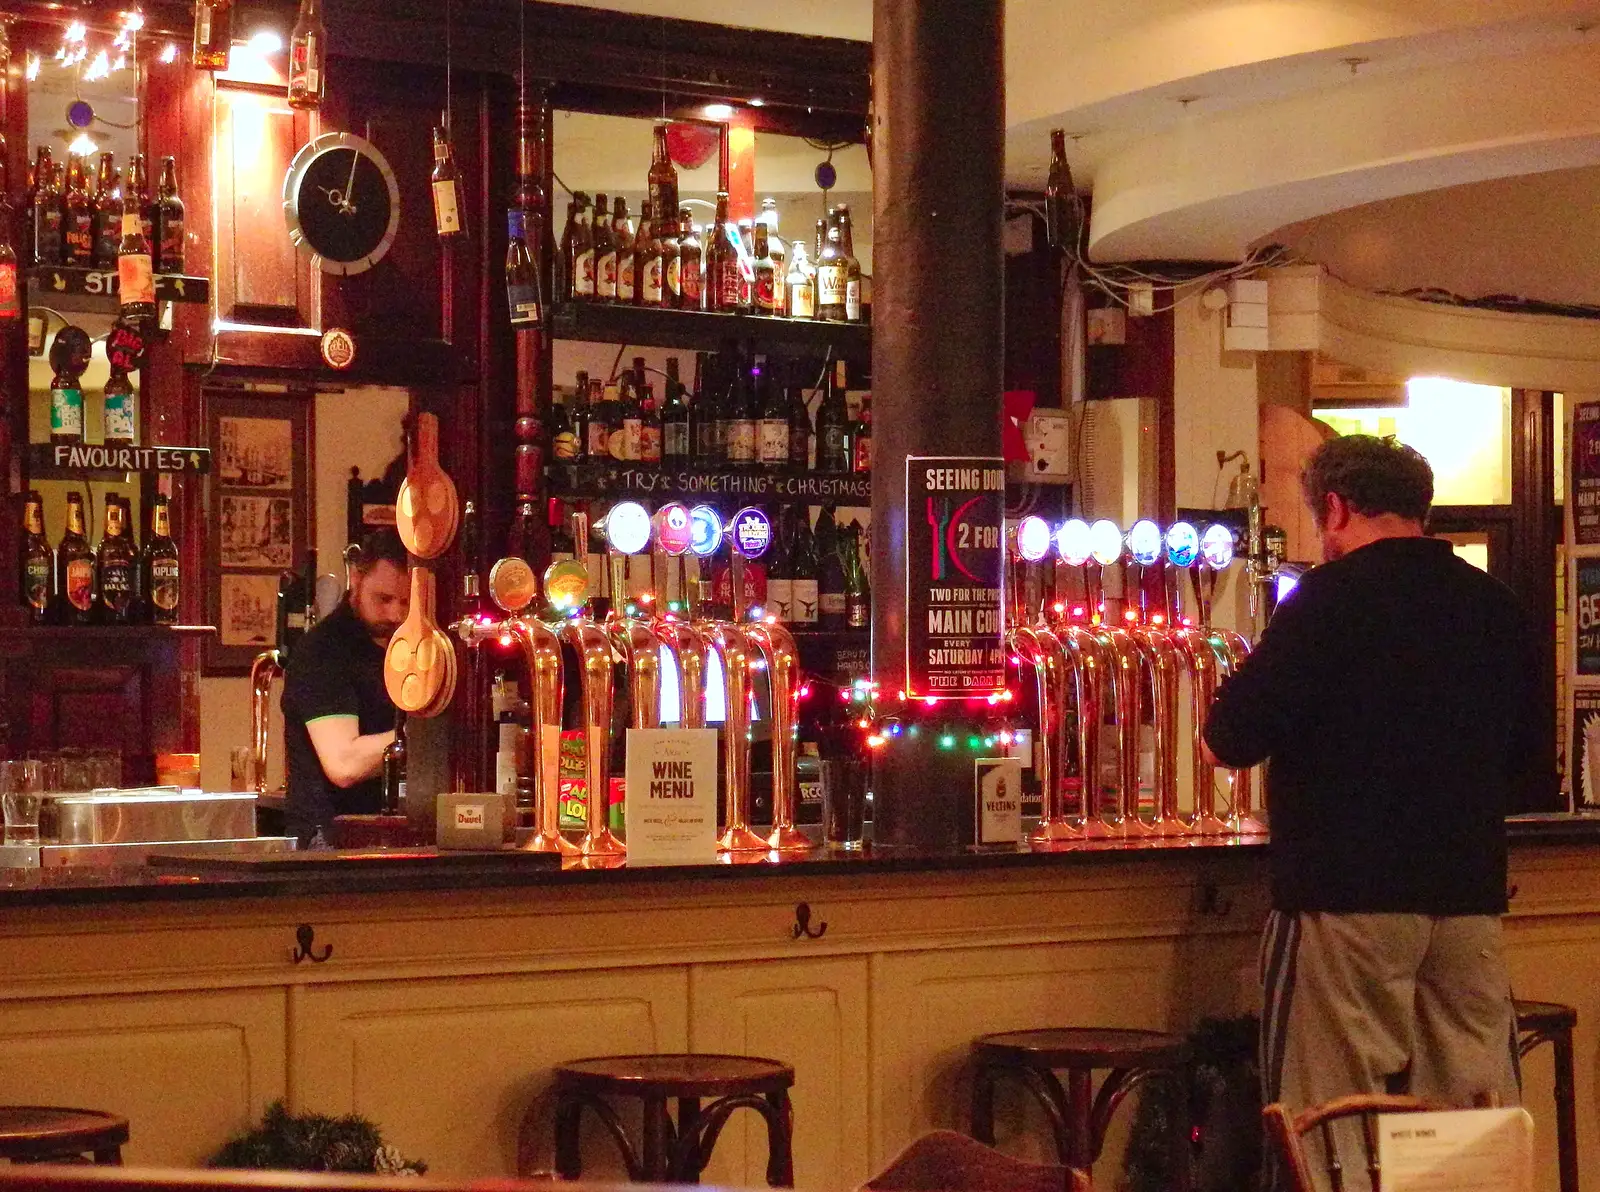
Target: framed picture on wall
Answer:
[[259, 514]]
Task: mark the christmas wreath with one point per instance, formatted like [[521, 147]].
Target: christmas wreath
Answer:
[[286, 1141]]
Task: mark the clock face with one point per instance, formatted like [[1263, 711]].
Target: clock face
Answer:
[[342, 203]]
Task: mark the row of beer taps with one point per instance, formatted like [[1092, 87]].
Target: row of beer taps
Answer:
[[660, 649], [1103, 620]]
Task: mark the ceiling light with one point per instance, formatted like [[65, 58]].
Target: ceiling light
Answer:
[[169, 52], [266, 41], [717, 111], [98, 69], [82, 146], [758, 102]]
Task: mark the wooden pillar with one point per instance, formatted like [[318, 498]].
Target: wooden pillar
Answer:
[[938, 313]]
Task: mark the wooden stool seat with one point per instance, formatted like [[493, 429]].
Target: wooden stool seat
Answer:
[[674, 1151], [1079, 1114], [42, 1133], [1539, 1023]]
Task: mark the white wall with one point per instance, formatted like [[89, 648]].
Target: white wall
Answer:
[[356, 427]]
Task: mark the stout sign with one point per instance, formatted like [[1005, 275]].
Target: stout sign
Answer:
[[954, 542]]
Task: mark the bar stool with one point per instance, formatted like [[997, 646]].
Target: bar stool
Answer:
[[44, 1134], [1079, 1114], [1551, 1022], [674, 1152]]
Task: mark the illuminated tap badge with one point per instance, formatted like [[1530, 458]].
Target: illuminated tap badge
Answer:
[[1144, 542], [1216, 546], [628, 528], [1105, 542], [752, 532], [955, 548], [674, 530], [1072, 542], [1183, 544], [705, 530], [1033, 538]]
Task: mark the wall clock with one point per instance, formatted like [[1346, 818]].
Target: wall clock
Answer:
[[341, 203]]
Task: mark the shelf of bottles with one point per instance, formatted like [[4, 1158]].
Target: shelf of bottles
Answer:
[[748, 434], [671, 282]]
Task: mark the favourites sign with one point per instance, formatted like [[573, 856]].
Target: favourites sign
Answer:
[[955, 508], [132, 459]]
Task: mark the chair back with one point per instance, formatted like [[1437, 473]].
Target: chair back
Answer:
[[1350, 1141]]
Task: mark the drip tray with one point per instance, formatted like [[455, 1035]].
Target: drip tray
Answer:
[[183, 858]]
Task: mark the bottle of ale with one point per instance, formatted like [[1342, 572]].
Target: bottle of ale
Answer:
[[766, 280], [136, 188], [167, 226], [832, 278], [605, 252], [724, 263], [675, 439], [66, 403], [582, 250], [46, 215], [803, 572], [598, 445], [800, 299], [107, 213], [77, 217], [75, 567], [772, 427], [852, 268], [622, 236], [857, 589], [833, 424], [830, 572], [690, 271], [746, 239], [115, 567], [663, 178], [136, 283], [37, 576], [159, 577], [650, 260], [447, 205], [861, 437], [307, 49], [799, 429], [121, 411], [780, 579], [580, 415], [671, 261], [394, 769], [650, 429], [561, 433]]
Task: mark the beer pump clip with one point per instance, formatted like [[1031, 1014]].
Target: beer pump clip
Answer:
[[1030, 546]]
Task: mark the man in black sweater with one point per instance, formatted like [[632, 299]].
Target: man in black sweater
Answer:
[[1393, 698]]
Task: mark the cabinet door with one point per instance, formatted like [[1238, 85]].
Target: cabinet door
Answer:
[[449, 1068], [811, 1014], [188, 1070]]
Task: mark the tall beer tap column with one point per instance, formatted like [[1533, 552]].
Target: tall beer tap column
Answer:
[[938, 132]]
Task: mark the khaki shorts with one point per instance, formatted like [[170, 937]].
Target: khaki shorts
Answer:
[[1379, 1003]]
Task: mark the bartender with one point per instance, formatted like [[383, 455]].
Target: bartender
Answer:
[[337, 717]]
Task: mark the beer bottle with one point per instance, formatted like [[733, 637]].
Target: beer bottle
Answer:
[[724, 263], [448, 208], [565, 281], [522, 277], [833, 424], [772, 428], [167, 226], [857, 590], [800, 298], [705, 417], [663, 178], [137, 187], [605, 252], [213, 34], [861, 437], [671, 261], [394, 769], [121, 411], [1059, 196], [37, 579], [107, 214], [136, 285], [641, 252], [66, 403], [583, 252], [832, 279], [803, 572], [852, 268], [46, 212], [598, 446], [581, 414], [77, 216], [622, 234], [780, 247], [616, 420], [307, 49], [75, 567], [675, 441], [780, 577], [830, 572], [691, 261], [799, 429], [563, 438], [741, 419], [159, 579], [114, 566], [650, 261], [650, 432], [747, 273], [765, 272]]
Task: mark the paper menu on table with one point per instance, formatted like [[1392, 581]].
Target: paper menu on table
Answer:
[[1461, 1150]]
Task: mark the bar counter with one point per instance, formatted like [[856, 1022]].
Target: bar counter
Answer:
[[436, 999]]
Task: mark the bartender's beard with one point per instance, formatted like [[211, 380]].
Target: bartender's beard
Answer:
[[380, 596]]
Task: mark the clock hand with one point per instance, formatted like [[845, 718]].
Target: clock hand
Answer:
[[349, 187]]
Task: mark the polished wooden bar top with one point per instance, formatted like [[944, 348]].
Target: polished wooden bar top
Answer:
[[381, 871]]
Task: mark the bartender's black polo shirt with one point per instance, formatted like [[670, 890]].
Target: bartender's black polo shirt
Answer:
[[1394, 696], [335, 670]]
